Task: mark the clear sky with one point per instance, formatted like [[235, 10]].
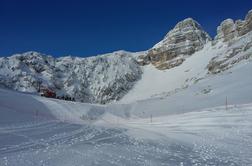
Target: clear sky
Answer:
[[91, 27]]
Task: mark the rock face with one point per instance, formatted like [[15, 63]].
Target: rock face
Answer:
[[243, 27], [186, 38], [99, 79], [230, 29], [226, 31], [237, 36]]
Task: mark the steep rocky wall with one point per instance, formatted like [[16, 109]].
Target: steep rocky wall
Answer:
[[237, 37], [186, 38]]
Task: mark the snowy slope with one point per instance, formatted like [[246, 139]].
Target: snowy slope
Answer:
[[60, 135], [232, 47], [208, 92], [186, 126], [167, 80], [24, 108], [214, 135], [20, 108], [99, 79], [217, 57]]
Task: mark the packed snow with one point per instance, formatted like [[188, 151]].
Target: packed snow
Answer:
[[52, 132]]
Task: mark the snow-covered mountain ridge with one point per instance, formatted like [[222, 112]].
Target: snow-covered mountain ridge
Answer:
[[96, 79], [186, 55]]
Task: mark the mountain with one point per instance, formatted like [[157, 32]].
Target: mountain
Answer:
[[186, 56], [186, 38], [216, 61], [237, 36], [185, 101], [96, 80]]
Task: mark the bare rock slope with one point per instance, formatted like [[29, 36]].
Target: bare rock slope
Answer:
[[186, 38], [236, 36]]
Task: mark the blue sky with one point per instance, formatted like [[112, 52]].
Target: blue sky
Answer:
[[91, 27]]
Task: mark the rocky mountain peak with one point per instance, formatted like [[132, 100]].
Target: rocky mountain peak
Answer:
[[230, 29], [184, 31], [184, 39], [227, 30], [185, 25], [249, 15], [237, 35]]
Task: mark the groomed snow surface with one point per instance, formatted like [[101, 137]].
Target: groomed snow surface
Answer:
[[157, 131]]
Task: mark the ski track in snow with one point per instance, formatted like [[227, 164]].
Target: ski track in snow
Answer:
[[186, 139]]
